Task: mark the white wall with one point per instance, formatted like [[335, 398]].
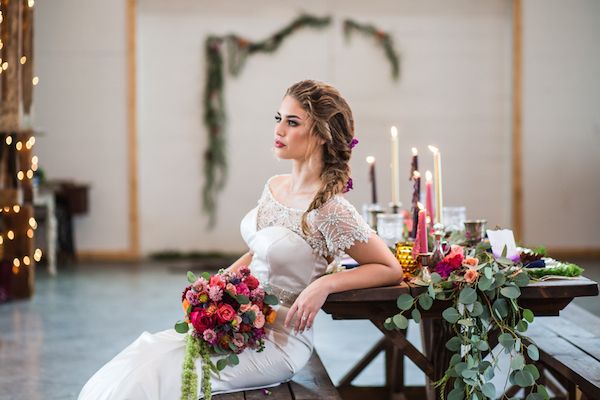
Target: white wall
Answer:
[[561, 123], [80, 106], [455, 92]]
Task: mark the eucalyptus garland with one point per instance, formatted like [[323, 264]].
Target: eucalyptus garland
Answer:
[[382, 38], [238, 49]]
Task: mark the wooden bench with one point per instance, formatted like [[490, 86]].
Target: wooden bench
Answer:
[[569, 353], [310, 383]]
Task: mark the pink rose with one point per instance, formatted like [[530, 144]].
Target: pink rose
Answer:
[[259, 321], [216, 280], [231, 289], [471, 275], [225, 313], [210, 336], [201, 321], [455, 257], [245, 307], [238, 339]]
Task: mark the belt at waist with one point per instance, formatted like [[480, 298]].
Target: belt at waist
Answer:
[[286, 297]]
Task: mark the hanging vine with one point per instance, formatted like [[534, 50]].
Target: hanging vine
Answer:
[[237, 49]]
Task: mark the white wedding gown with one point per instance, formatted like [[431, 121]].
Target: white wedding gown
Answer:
[[286, 261]]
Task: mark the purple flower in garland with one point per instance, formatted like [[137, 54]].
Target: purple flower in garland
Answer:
[[353, 143], [445, 269]]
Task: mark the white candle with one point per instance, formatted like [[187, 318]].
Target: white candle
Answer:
[[437, 177], [395, 167]]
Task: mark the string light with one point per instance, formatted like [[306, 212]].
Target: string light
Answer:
[[15, 269], [28, 145], [6, 209], [19, 145], [30, 233], [26, 260], [29, 174], [34, 160], [23, 60], [1, 239], [20, 175], [10, 235], [30, 3], [4, 65], [16, 262], [16, 208], [32, 223], [37, 255], [9, 140], [34, 167], [35, 80]]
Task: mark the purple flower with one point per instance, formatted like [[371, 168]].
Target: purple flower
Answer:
[[353, 143], [349, 186], [445, 269]]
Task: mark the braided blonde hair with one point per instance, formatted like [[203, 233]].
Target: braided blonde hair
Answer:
[[330, 120]]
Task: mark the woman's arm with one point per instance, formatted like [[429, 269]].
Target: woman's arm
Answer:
[[378, 267], [245, 259]]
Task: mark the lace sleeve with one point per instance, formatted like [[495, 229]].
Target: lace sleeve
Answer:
[[341, 226]]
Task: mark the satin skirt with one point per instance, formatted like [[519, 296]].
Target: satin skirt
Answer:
[[150, 368]]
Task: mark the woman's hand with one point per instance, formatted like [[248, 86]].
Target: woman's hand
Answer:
[[307, 305]]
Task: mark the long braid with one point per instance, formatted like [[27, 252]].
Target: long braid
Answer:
[[332, 121]]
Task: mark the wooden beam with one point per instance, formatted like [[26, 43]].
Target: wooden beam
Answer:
[[132, 173], [107, 256], [517, 134]]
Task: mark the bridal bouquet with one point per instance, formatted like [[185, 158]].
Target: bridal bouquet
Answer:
[[227, 313]]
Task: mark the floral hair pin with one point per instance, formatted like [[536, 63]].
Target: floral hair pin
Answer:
[[353, 143], [349, 186]]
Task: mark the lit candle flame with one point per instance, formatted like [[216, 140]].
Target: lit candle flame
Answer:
[[416, 174], [415, 151], [370, 159], [394, 131], [433, 149], [428, 176]]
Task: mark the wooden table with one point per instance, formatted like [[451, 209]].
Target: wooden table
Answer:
[[377, 304]]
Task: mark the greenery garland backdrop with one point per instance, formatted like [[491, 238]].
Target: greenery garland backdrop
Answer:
[[238, 49]]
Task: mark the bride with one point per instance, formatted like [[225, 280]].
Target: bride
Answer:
[[301, 225]]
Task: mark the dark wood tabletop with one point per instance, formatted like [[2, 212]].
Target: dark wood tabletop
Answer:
[[544, 298]]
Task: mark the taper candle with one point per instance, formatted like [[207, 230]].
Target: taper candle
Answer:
[[420, 245], [395, 167], [371, 162], [429, 197], [437, 176], [415, 202], [414, 164]]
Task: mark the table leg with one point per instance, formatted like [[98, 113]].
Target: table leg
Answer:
[[434, 335]]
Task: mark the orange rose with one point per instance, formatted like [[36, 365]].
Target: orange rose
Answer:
[[271, 316], [470, 262], [211, 309], [471, 275], [185, 305]]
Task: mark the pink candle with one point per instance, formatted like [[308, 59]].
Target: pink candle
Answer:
[[421, 240], [429, 197]]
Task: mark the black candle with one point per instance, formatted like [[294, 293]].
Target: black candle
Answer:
[[416, 178], [371, 161]]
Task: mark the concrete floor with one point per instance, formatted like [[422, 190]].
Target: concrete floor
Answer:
[[50, 345]]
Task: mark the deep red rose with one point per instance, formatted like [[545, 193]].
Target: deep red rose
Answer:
[[225, 313], [455, 260], [251, 282], [201, 321], [244, 328]]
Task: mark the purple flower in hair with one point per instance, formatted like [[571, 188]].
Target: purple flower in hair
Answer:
[[349, 186], [353, 143]]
